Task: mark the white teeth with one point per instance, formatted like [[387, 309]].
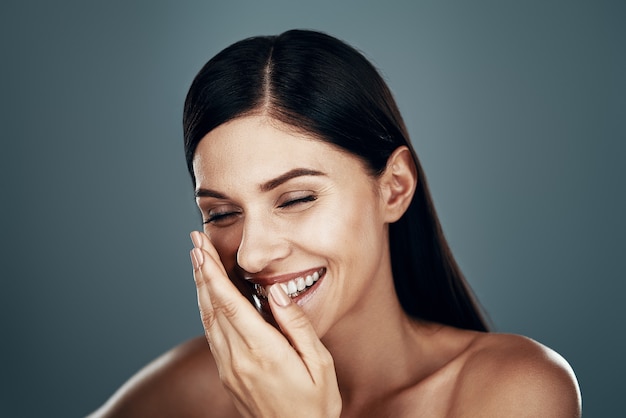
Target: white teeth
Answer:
[[291, 286], [308, 281]]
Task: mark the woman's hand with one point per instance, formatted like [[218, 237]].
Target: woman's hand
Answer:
[[267, 374]]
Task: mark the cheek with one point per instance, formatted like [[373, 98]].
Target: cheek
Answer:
[[358, 237], [226, 242], [341, 228]]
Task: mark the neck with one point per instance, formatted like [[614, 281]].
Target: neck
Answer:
[[376, 348]]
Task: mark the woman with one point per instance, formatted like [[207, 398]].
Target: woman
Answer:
[[317, 216]]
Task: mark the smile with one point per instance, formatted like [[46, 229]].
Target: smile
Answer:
[[294, 287]]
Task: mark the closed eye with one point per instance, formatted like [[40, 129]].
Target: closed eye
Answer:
[[294, 202], [221, 218], [218, 217]]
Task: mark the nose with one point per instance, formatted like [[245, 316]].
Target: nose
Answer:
[[261, 244]]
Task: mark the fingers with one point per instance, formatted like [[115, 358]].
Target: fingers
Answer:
[[255, 361], [225, 310], [209, 271], [221, 304], [205, 306], [298, 329], [202, 242], [220, 301]]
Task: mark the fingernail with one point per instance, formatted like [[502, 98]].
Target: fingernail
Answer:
[[196, 258], [196, 238], [279, 295]]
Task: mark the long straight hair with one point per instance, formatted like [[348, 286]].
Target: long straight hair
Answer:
[[322, 86]]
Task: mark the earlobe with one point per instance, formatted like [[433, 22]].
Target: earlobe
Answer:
[[398, 183]]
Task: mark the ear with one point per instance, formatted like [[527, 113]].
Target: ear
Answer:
[[398, 183]]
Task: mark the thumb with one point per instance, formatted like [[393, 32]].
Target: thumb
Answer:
[[296, 326]]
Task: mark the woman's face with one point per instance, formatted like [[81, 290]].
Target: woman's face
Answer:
[[280, 206]]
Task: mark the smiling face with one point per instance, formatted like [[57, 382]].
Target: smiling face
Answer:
[[280, 206]]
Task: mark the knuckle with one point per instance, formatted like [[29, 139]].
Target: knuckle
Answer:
[[299, 320], [326, 360], [228, 308], [208, 317], [247, 366], [254, 361], [239, 366]]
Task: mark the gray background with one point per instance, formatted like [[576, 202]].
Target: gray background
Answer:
[[517, 110]]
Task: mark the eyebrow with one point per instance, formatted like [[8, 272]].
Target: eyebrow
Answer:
[[291, 174], [268, 185]]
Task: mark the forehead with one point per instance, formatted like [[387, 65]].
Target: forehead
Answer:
[[256, 148]]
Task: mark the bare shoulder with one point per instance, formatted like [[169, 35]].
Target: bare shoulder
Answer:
[[511, 375], [183, 382]]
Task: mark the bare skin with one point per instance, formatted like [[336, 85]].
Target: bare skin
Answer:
[[345, 346], [480, 381]]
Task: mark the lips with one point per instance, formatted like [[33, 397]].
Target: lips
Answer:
[[293, 286]]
